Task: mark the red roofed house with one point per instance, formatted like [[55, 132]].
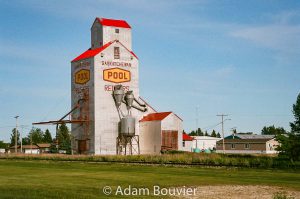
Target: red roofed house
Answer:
[[159, 132], [187, 142]]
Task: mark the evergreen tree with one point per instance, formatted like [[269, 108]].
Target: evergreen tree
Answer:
[[295, 126], [13, 137], [218, 135], [213, 134], [199, 132], [206, 134], [64, 138], [47, 137], [193, 133]]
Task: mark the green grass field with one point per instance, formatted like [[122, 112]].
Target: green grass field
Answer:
[[55, 179]]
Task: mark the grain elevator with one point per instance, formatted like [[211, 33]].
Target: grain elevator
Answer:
[[105, 88]]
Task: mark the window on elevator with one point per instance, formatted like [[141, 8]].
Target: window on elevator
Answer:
[[116, 52]]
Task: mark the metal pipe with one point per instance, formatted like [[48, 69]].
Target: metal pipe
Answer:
[[138, 108], [139, 103]]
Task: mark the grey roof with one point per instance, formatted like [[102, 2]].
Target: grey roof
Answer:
[[246, 136]]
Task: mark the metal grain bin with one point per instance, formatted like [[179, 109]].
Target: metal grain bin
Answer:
[[128, 126]]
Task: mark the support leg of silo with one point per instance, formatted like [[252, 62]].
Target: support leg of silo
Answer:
[[125, 146], [130, 145], [117, 145], [138, 142]]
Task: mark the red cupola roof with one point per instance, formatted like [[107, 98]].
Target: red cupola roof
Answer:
[[113, 22]]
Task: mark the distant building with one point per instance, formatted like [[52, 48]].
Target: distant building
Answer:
[[12, 149], [32, 149], [187, 142], [205, 142], [159, 132], [247, 143], [44, 147]]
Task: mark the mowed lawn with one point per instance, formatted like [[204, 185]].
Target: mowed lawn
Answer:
[[51, 179]]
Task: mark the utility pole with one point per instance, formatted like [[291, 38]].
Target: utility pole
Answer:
[[222, 116], [16, 135], [197, 117], [21, 138]]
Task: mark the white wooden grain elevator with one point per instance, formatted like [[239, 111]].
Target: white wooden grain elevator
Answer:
[[107, 72]]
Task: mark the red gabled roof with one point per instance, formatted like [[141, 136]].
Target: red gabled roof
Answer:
[[113, 22], [186, 137], [155, 116], [93, 52]]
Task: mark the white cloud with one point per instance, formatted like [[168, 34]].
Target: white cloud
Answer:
[[281, 34], [285, 38]]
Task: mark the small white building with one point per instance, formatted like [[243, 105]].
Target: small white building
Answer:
[[160, 132], [27, 149], [205, 142], [187, 142], [31, 149]]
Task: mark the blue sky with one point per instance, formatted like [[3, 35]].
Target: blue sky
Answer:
[[235, 57]]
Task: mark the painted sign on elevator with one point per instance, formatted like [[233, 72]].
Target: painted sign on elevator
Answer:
[[116, 75], [82, 76]]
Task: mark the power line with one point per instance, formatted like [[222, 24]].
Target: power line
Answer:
[[23, 126], [58, 102], [211, 126]]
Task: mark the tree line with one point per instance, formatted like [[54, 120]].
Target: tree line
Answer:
[[289, 142], [199, 132], [37, 136]]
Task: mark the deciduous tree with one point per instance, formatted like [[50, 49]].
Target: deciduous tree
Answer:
[[36, 135], [272, 130], [290, 143], [3, 145]]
